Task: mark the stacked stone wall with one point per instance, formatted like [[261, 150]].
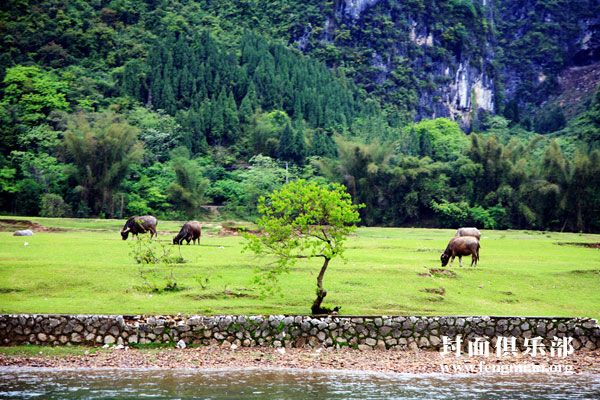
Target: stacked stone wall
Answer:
[[399, 332]]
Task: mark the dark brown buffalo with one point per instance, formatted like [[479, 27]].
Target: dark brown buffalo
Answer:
[[460, 246], [190, 231], [136, 225]]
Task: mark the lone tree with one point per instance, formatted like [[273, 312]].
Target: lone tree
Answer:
[[303, 220]]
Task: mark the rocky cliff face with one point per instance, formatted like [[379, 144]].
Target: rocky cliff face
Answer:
[[458, 58], [354, 8]]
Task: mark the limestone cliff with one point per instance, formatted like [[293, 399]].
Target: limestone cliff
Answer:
[[458, 58]]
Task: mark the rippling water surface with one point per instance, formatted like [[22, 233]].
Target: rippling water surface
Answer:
[[285, 384]]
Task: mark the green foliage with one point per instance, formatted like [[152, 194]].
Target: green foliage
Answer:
[[452, 214], [292, 146], [460, 214], [102, 148], [146, 250], [302, 220], [322, 145], [53, 205], [31, 93], [147, 190], [440, 139], [159, 133], [267, 132], [157, 263], [331, 94], [27, 97], [186, 194], [27, 199], [549, 119], [248, 186], [7, 182], [586, 126]]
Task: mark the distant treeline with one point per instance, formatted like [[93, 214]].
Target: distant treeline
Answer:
[[167, 123]]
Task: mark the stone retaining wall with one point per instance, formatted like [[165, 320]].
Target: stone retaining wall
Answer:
[[289, 331]]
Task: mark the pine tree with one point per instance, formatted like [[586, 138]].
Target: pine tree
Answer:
[[214, 109], [230, 119], [292, 146], [322, 145]]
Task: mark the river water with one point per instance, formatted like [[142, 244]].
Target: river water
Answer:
[[31, 383]]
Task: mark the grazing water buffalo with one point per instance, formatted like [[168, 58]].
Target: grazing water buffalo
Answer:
[[461, 246], [191, 230], [143, 224], [469, 232]]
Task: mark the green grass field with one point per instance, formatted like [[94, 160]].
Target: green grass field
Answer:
[[85, 267]]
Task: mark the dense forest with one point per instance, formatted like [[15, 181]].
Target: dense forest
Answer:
[[123, 107]]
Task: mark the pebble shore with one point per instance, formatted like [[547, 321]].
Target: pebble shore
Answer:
[[208, 357]]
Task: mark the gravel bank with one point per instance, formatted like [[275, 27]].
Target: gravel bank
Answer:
[[329, 359]]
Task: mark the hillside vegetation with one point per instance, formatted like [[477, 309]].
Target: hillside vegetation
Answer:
[[115, 108]]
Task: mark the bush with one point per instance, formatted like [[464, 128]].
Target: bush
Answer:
[[481, 217], [157, 265], [549, 119], [53, 205], [451, 214]]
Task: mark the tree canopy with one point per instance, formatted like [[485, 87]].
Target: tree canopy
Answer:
[[303, 219]]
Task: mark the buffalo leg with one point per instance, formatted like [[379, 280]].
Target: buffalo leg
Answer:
[[460, 261]]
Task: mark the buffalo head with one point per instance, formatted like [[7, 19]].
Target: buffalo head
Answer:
[[125, 233], [444, 258]]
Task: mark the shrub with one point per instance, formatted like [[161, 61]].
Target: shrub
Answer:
[[156, 265], [53, 205]]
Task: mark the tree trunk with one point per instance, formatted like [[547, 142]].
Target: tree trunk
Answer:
[[321, 293]]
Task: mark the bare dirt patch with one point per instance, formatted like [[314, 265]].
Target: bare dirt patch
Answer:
[[236, 231], [235, 293], [437, 294], [442, 273], [11, 225], [6, 290], [439, 291], [585, 272], [580, 244], [426, 250]]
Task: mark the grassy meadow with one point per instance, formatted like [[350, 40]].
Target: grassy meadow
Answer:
[[83, 266]]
